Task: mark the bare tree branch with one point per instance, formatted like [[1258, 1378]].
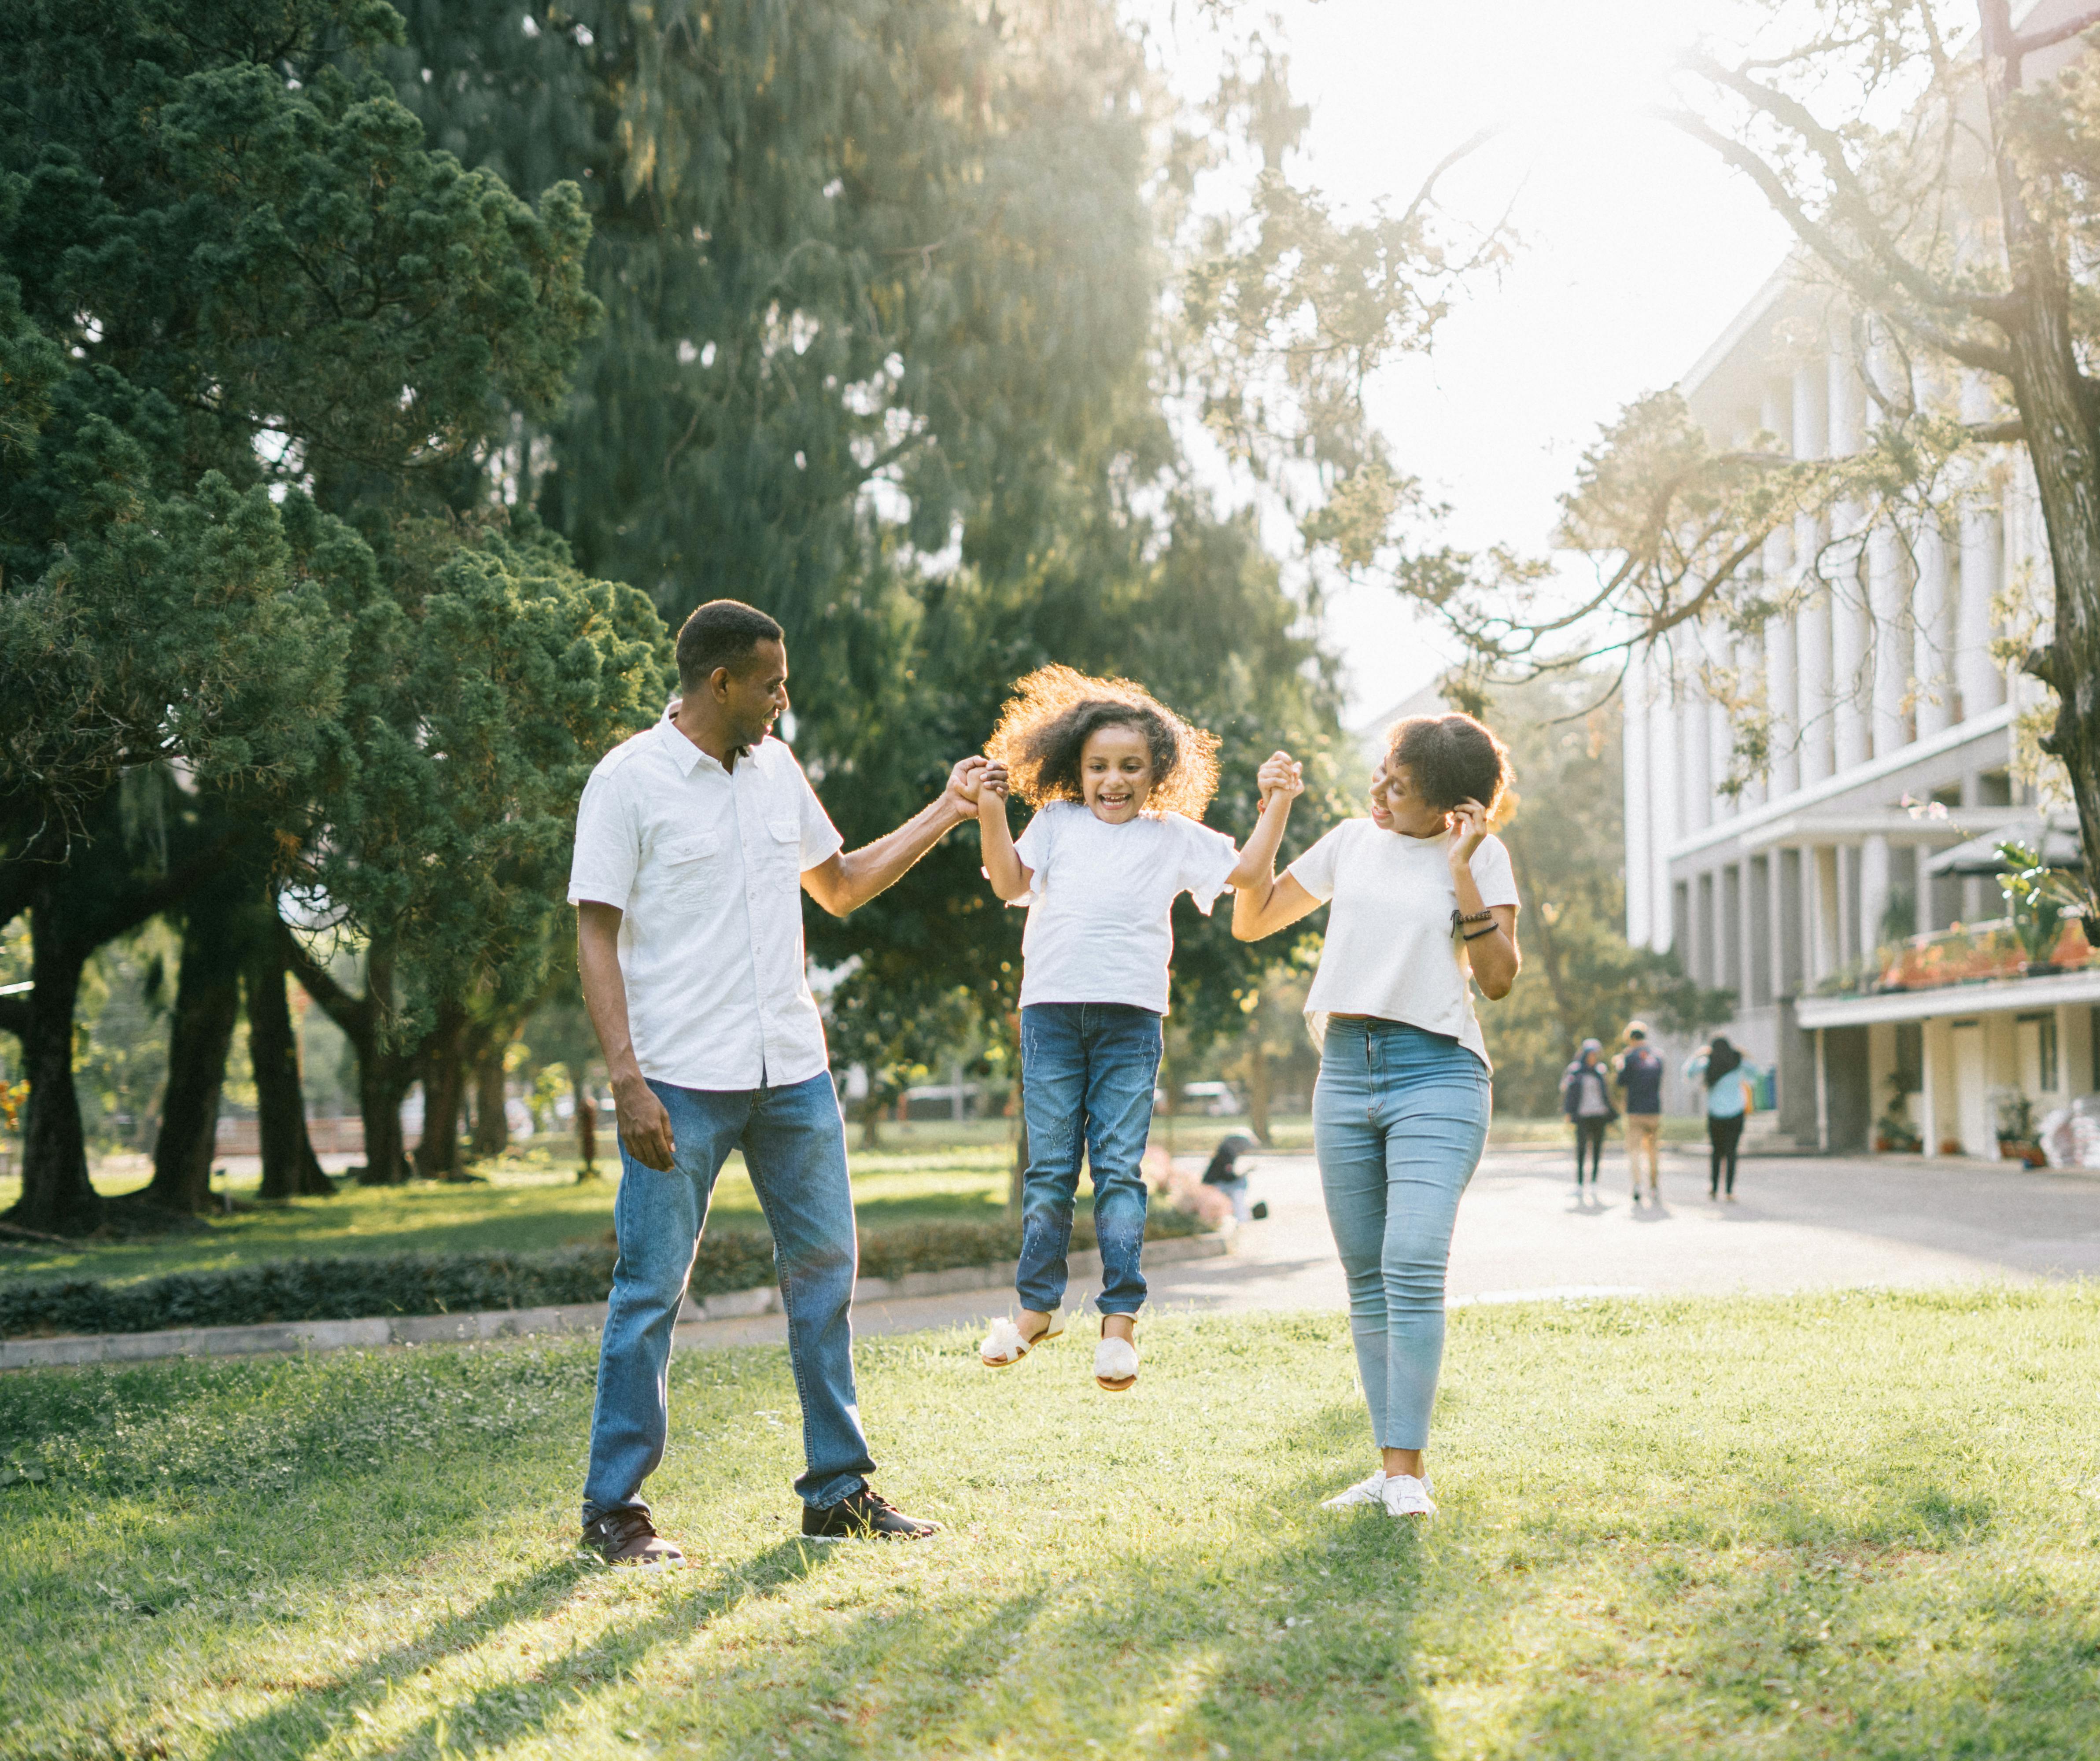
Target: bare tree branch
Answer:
[[2050, 35], [1465, 149], [1852, 197], [1818, 239]]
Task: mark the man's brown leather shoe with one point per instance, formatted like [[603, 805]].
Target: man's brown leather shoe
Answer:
[[629, 1538], [867, 1516]]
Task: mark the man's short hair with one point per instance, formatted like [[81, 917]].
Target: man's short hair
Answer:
[[721, 633]]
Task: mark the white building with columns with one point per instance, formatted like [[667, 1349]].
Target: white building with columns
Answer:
[[1891, 740]]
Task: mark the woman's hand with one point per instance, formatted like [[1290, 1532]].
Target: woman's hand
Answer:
[[991, 785], [1468, 825], [1280, 774]]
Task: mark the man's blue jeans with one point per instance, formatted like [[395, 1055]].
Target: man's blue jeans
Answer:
[[1399, 1117], [794, 1145], [1086, 1075]]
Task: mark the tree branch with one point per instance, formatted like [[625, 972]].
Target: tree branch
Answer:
[[353, 1014], [1471, 144], [2012, 429], [1970, 353], [2051, 35], [1852, 198]]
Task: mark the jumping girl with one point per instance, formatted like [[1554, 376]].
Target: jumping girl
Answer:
[[1119, 783], [1424, 908]]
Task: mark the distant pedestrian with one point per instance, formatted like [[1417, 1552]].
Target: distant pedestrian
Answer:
[[1640, 1070], [1223, 1171], [1730, 1082], [1586, 1102]]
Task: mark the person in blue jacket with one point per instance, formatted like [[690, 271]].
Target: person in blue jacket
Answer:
[[1730, 1080], [1587, 1101]]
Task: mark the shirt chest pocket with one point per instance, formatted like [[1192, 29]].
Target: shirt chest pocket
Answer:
[[781, 847], [691, 868]]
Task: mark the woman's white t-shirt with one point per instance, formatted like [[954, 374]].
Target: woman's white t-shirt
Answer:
[[1389, 950], [1100, 927]]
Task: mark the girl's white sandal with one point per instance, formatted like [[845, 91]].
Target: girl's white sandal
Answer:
[[1115, 1364], [1006, 1344]]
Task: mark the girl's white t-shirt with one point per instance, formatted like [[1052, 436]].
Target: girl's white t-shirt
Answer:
[[1100, 927], [1389, 949]]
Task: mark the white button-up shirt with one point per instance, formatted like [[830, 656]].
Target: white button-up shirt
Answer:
[[705, 866]]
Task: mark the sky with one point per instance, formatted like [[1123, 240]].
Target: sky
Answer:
[[1638, 248]]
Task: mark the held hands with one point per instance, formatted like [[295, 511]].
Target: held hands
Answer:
[[965, 782], [1467, 825], [1281, 775]]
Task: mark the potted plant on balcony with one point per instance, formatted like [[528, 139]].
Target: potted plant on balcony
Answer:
[[2036, 902], [2016, 1130]]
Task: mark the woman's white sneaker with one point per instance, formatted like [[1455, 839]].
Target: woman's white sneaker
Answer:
[[1403, 1495], [1371, 1491]]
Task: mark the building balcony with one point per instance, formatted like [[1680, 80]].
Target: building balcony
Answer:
[[1966, 953]]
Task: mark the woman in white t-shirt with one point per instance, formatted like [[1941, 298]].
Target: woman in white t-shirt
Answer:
[[1424, 908], [1119, 783]]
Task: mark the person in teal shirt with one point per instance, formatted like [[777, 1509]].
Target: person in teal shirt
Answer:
[[1730, 1080]]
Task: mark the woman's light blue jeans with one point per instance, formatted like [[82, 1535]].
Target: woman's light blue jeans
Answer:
[[1399, 1116], [794, 1146], [1086, 1075]]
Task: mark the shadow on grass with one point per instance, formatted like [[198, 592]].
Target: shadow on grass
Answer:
[[491, 1717]]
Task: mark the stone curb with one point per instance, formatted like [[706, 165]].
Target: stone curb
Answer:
[[515, 1323]]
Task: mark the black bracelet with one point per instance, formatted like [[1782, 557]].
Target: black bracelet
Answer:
[[1460, 919], [1478, 934]]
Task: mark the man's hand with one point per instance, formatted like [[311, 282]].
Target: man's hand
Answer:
[[645, 1127], [1280, 774], [964, 780]]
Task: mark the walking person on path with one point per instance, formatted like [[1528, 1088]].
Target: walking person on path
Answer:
[[695, 842], [1731, 1081], [1589, 1108], [1424, 906], [1639, 1069]]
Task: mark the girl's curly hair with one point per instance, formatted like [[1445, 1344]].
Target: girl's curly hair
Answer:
[[1452, 758], [1052, 713]]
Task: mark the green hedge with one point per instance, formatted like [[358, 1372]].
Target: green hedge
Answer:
[[347, 1288]]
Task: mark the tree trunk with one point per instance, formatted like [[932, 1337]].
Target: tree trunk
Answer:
[[2057, 417], [871, 1118], [207, 1005], [381, 1086], [1257, 1075], [586, 1127], [290, 1168], [444, 1086], [492, 1128], [57, 1196]]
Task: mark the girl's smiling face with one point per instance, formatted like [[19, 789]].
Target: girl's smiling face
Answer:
[[1397, 807], [1115, 773]]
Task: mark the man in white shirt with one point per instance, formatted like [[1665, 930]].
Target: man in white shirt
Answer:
[[695, 842]]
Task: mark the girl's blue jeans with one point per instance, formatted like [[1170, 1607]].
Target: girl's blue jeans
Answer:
[[1399, 1117], [1086, 1075], [794, 1147]]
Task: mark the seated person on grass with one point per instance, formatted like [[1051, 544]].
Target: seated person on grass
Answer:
[[695, 841]]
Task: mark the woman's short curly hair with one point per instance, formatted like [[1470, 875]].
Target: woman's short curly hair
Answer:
[[1055, 711], [1451, 759]]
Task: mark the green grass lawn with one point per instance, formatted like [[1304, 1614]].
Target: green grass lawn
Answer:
[[1851, 1526], [524, 1205]]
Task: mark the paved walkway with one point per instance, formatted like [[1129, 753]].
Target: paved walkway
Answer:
[[1799, 1223]]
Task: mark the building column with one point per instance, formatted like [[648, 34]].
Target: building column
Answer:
[[1665, 827], [1976, 675], [1775, 416], [1888, 599], [1850, 681], [1638, 796], [1873, 895], [1811, 394], [1825, 902], [1932, 625]]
